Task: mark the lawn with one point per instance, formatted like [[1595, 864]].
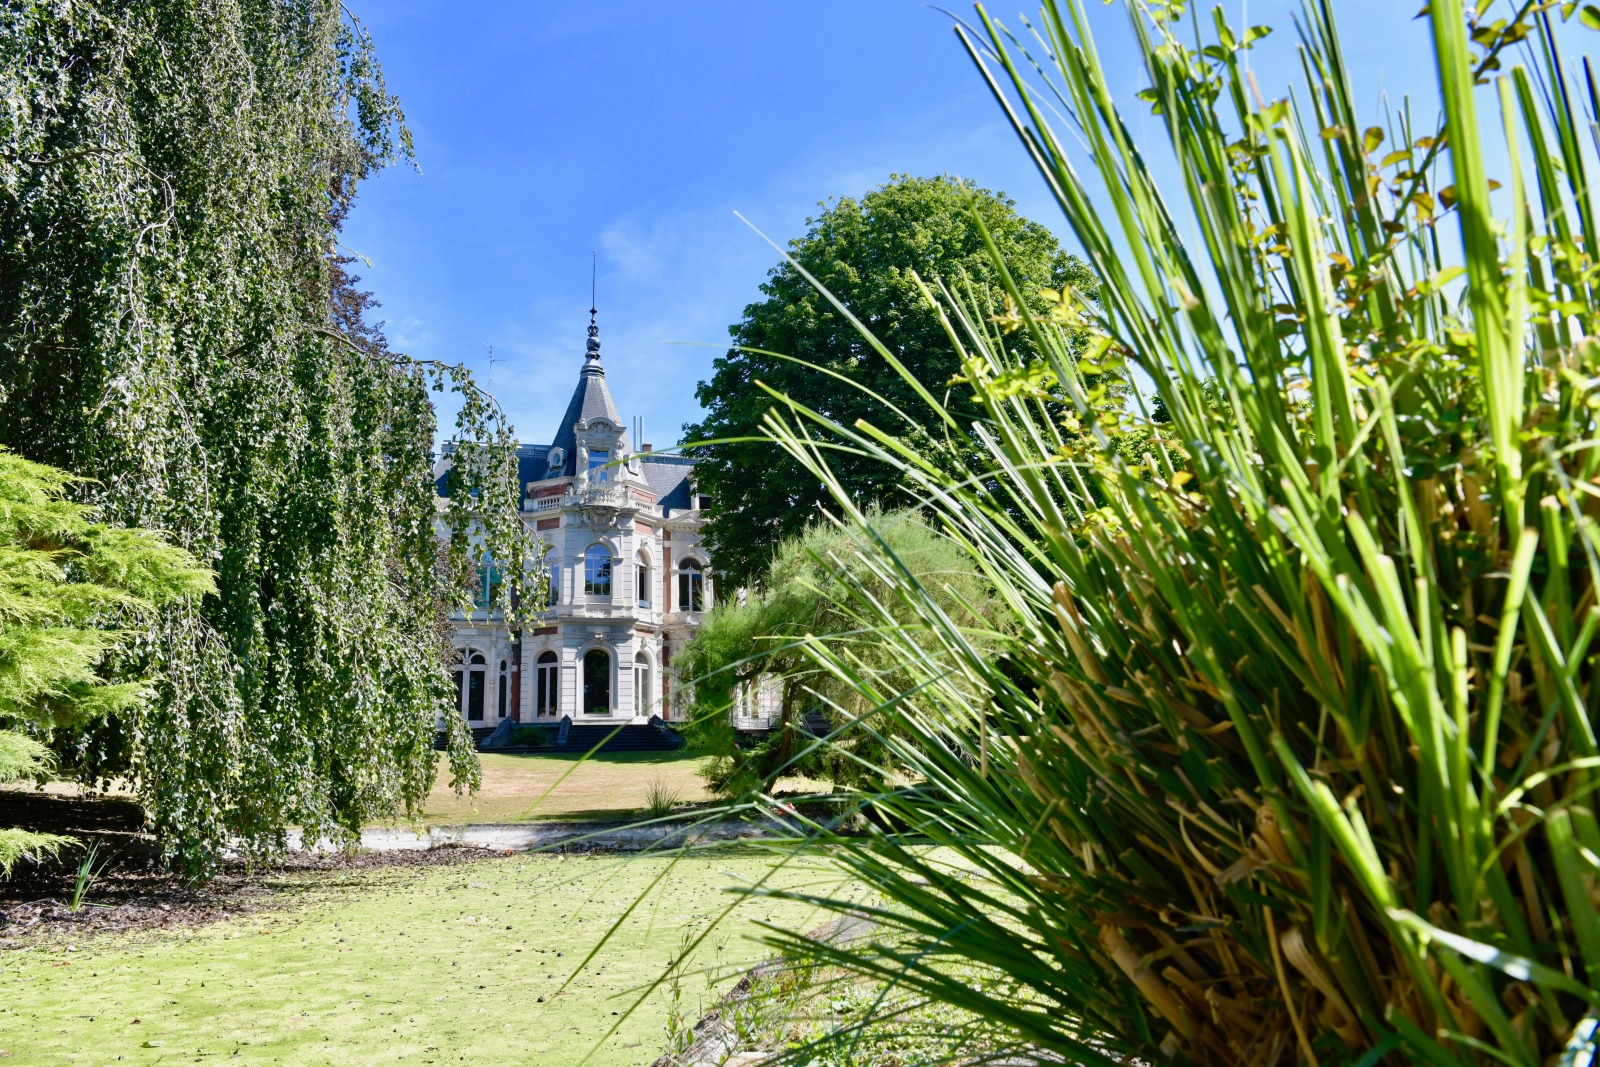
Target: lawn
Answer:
[[604, 786], [431, 965], [607, 786]]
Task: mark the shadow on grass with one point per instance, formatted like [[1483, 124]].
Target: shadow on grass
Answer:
[[682, 755]]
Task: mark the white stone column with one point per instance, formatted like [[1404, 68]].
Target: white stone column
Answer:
[[571, 681], [623, 698]]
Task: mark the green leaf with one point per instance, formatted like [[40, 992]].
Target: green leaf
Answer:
[[1590, 16], [1273, 113], [1519, 967]]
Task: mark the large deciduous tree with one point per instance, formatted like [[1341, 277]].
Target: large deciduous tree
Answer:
[[870, 253], [176, 324]]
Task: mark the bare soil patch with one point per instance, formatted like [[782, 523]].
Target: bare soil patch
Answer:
[[136, 892]]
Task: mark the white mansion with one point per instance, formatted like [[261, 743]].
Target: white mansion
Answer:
[[629, 578]]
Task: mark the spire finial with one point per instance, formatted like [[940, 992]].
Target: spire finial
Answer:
[[594, 330]]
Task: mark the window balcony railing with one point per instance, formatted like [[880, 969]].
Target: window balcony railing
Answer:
[[603, 495]]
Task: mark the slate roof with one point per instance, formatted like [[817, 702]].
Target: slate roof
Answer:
[[531, 463], [591, 400], [669, 479], [531, 466], [667, 475]]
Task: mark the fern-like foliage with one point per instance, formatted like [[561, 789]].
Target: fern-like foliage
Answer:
[[18, 845], [71, 590]]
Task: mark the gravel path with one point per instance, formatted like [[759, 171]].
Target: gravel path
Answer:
[[528, 837]]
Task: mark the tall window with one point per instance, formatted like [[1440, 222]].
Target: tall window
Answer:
[[691, 586], [547, 681], [488, 583], [597, 572], [471, 681], [599, 473], [597, 682], [642, 703], [504, 684], [643, 577], [552, 596]]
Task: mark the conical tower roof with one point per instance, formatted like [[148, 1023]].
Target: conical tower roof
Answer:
[[591, 400]]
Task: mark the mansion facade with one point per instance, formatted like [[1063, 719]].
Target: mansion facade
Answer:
[[629, 578]]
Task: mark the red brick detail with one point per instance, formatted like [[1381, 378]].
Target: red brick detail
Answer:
[[549, 490], [666, 535], [543, 631], [643, 528], [547, 524]]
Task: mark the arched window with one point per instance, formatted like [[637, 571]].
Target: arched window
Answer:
[[547, 684], [471, 680], [597, 572], [552, 595], [644, 579], [691, 586], [643, 702], [504, 684], [597, 682]]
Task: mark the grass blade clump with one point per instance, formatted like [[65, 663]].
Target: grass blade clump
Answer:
[[1291, 752], [660, 797]]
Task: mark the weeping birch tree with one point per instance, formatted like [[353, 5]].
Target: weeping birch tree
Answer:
[[177, 323]]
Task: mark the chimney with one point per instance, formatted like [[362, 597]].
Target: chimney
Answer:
[[646, 447]]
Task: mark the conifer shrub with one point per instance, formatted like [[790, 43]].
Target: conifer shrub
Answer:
[[1292, 756], [73, 593]]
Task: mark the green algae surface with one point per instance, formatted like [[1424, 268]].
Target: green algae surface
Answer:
[[423, 965]]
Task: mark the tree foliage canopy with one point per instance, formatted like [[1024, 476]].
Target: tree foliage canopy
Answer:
[[72, 590], [868, 252], [176, 322], [810, 592]]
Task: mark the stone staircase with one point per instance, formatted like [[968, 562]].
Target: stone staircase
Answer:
[[633, 737], [567, 736]]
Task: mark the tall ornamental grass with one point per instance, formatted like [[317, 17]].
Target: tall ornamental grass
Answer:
[[1291, 757]]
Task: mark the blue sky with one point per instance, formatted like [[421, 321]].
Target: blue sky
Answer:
[[545, 130]]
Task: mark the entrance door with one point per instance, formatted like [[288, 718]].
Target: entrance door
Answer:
[[597, 682]]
